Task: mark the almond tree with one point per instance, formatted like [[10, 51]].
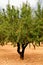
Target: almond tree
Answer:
[[38, 24], [23, 32]]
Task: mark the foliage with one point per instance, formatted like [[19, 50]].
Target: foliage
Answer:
[[21, 26]]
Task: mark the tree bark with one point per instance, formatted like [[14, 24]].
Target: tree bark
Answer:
[[34, 45], [18, 47], [21, 53], [39, 43]]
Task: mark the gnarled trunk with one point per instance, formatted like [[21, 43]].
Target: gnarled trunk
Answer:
[[18, 48], [21, 53]]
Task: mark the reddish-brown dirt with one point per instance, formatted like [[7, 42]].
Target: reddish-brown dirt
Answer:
[[9, 56]]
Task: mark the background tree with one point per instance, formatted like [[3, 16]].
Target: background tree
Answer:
[[39, 23]]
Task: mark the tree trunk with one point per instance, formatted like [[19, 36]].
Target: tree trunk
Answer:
[[18, 48], [34, 45], [21, 53], [39, 43]]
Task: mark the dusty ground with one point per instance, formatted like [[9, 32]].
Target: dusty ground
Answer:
[[9, 56]]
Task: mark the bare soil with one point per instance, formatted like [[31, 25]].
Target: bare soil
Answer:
[[9, 56]]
